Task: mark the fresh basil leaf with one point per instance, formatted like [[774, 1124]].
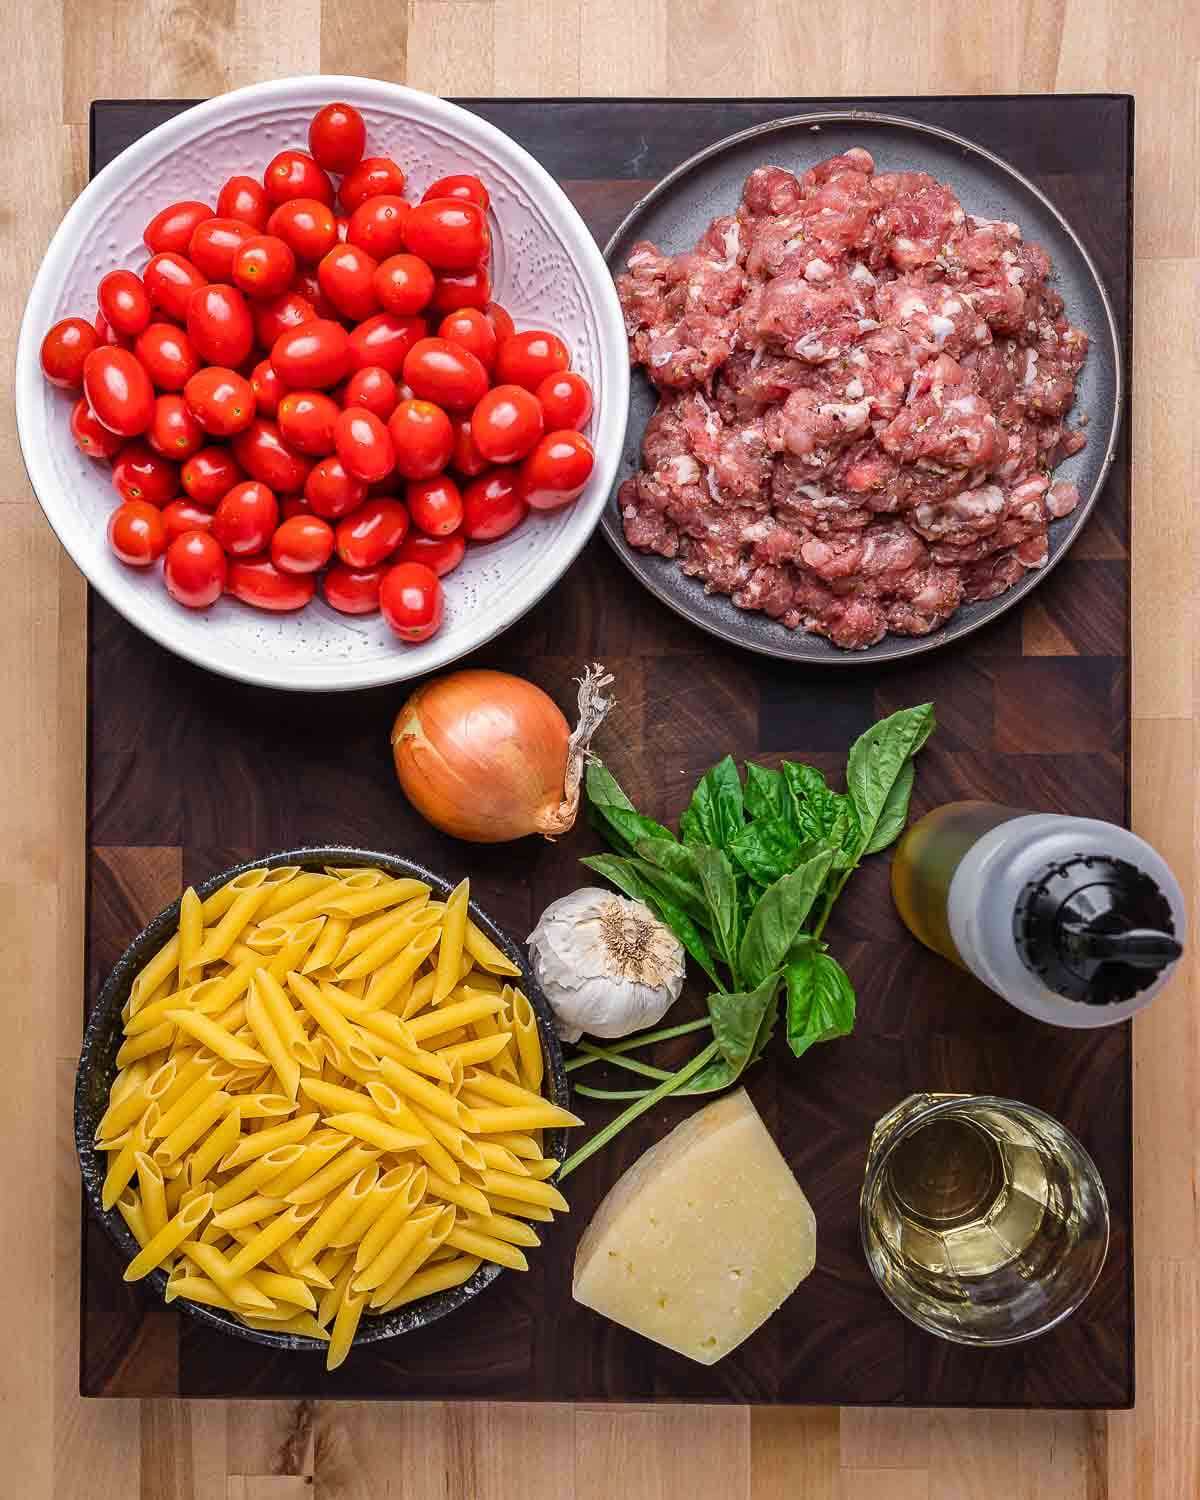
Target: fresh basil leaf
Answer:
[[894, 813], [668, 867], [738, 1019], [766, 793], [776, 921], [720, 896], [623, 874], [876, 764], [715, 814], [815, 806], [820, 1001], [613, 815], [768, 848], [844, 838], [603, 788]]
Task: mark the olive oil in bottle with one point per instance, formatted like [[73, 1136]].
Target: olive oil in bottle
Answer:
[[1072, 920]]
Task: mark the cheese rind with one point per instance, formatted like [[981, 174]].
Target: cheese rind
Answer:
[[700, 1241]]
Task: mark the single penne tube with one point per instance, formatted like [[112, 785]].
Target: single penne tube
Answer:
[[399, 1112], [216, 1038], [387, 1225], [152, 1191], [191, 934], [456, 1076], [286, 1020], [301, 1322], [331, 1299], [345, 1326], [486, 1247], [217, 1143], [439, 1277], [501, 1227], [380, 1023], [337, 1210], [420, 997], [355, 989], [450, 949], [530, 1058], [499, 1090], [375, 1132], [283, 1062], [542, 1169], [485, 953], [293, 953], [359, 1065], [446, 1017], [503, 1118], [500, 1158], [417, 1256], [219, 939], [450, 1038], [130, 1079], [520, 1145], [420, 1061], [281, 1288], [332, 1173], [408, 1235], [421, 1091], [478, 1050], [213, 1264], [417, 948], [131, 1106], [478, 980], [164, 963], [515, 1210], [373, 1206], [252, 1210], [169, 1237], [198, 1289], [123, 1163], [462, 1194], [503, 1064], [198, 996], [324, 1013], [258, 1174], [457, 1142], [265, 1106], [357, 877], [208, 1081], [249, 1147], [409, 918], [301, 897], [334, 1098], [351, 1005], [130, 1207], [273, 1233], [386, 894], [327, 946], [157, 1039], [189, 1131], [327, 1269], [279, 875], [524, 1189]]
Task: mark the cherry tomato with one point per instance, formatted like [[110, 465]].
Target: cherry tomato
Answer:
[[450, 233], [265, 456], [373, 175], [527, 358], [171, 229], [307, 420], [219, 325], [245, 198], [136, 533], [373, 388], [173, 431], [557, 470], [246, 518], [221, 400], [185, 515], [268, 389], [372, 533], [307, 226], [91, 436], [442, 372], [412, 601], [140, 473], [403, 284], [337, 137], [258, 582], [377, 225], [195, 570], [214, 244], [422, 437], [64, 350], [384, 340], [331, 491], [118, 390], [168, 355], [493, 504], [273, 319], [507, 424], [466, 457], [347, 277], [440, 554], [566, 400], [210, 474], [316, 355], [124, 302], [364, 445], [170, 280], [435, 505], [107, 334], [455, 289], [294, 174], [302, 544], [263, 266], [501, 321], [459, 185], [472, 330], [353, 591], [294, 505], [306, 284]]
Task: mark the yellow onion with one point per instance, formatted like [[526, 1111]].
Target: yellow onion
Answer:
[[487, 757]]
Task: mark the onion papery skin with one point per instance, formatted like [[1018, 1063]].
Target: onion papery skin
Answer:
[[482, 755]]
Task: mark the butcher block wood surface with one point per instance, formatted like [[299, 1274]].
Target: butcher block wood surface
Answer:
[[61, 57]]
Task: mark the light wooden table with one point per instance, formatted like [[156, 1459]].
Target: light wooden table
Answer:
[[60, 54]]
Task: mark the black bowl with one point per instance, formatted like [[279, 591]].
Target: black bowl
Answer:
[[98, 1068]]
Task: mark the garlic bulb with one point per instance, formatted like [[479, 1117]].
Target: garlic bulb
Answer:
[[607, 965]]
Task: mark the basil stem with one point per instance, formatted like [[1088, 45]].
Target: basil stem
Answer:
[[630, 1064], [643, 1039]]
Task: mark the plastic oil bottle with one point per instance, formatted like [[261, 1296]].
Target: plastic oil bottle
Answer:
[[1072, 920]]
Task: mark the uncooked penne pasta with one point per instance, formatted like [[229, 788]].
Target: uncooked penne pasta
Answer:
[[250, 1147], [219, 939], [478, 1050], [450, 949], [431, 1240], [286, 1020], [486, 1247], [123, 1163], [501, 1118], [300, 898], [416, 946], [129, 1206], [485, 953], [328, 945], [157, 1039], [169, 1238], [515, 1210], [191, 934], [387, 893], [447, 1017], [216, 1038], [403, 922], [284, 1063], [434, 1278], [530, 1060]]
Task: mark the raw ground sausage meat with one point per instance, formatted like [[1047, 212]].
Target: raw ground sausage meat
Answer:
[[863, 391]]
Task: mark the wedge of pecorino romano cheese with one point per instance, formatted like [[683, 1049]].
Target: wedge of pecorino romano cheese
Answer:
[[702, 1238]]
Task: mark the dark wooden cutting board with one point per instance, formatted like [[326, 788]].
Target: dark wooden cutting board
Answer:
[[188, 772]]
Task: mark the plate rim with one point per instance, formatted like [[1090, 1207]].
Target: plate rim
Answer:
[[836, 656]]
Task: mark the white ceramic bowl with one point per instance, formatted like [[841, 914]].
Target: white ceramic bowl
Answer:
[[547, 271]]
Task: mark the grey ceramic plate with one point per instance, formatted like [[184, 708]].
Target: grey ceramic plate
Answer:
[[97, 1069], [678, 210]]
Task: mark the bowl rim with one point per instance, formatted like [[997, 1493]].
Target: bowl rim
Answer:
[[104, 1015], [508, 605]]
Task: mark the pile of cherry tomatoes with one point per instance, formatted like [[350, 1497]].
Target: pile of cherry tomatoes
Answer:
[[292, 395]]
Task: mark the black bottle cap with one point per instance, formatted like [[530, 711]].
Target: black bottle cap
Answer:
[[1095, 929]]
